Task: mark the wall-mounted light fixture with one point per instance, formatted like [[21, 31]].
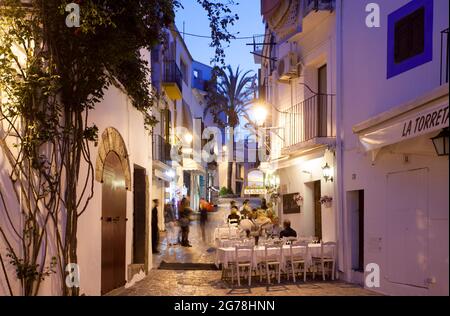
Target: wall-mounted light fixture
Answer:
[[260, 114], [189, 138], [440, 143], [171, 174], [327, 173]]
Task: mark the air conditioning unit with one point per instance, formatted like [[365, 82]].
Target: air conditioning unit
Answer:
[[289, 67], [317, 5]]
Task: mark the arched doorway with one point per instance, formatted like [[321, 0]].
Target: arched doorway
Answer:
[[114, 201]]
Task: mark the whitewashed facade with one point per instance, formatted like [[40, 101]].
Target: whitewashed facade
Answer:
[[182, 83], [298, 79], [403, 182], [121, 134], [390, 97]]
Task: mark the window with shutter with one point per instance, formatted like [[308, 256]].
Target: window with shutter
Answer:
[[410, 37]]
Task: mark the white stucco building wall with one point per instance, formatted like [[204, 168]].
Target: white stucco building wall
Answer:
[[296, 158], [114, 111], [405, 184]]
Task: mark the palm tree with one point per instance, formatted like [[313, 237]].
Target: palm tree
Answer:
[[228, 101]]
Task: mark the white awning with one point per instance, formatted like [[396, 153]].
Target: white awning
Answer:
[[191, 165], [422, 116]]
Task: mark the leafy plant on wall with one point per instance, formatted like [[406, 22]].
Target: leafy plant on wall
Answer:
[[326, 200], [274, 195], [51, 78], [298, 199]]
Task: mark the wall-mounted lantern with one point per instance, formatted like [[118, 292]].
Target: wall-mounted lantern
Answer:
[[327, 173], [440, 143]]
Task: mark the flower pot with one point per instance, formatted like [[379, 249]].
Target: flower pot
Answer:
[[327, 204]]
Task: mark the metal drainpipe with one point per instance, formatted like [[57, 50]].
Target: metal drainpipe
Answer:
[[339, 137]]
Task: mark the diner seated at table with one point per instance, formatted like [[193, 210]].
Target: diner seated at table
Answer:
[[276, 228], [248, 225], [234, 217], [287, 231], [263, 222], [245, 209], [269, 212]]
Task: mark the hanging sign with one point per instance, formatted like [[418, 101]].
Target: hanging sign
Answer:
[[415, 125], [255, 191]]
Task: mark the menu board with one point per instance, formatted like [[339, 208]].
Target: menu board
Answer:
[[289, 204]]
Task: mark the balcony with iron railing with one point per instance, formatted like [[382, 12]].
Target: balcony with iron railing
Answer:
[[161, 150], [444, 57], [172, 80], [308, 124]]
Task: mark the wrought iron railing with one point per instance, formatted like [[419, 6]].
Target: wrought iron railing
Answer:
[[444, 56], [258, 43], [172, 73], [161, 150], [309, 119]]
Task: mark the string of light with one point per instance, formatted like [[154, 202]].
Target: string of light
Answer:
[[209, 36]]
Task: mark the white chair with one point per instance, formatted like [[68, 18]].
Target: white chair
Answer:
[[248, 242], [298, 256], [327, 257], [243, 259], [226, 243], [273, 255], [222, 233], [234, 233]]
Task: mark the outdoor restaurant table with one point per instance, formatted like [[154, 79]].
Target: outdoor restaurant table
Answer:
[[227, 254]]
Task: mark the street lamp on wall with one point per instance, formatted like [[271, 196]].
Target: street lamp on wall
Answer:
[[327, 173], [441, 144], [260, 114]]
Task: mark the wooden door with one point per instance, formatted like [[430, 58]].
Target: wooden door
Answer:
[[113, 224], [317, 210], [139, 215]]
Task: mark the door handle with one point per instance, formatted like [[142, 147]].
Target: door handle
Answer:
[[107, 219], [116, 219]]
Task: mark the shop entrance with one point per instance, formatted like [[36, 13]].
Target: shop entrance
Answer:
[[355, 202]]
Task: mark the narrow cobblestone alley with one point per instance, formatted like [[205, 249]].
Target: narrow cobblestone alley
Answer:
[[165, 282]]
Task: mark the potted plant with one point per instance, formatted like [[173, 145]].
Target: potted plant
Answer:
[[298, 199], [274, 195], [326, 201]]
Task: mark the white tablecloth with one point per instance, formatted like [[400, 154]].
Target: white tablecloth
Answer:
[[227, 254]]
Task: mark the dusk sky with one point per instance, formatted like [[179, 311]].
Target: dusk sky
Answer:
[[196, 22]]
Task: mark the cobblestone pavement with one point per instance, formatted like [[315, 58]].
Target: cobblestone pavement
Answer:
[[201, 283], [208, 283]]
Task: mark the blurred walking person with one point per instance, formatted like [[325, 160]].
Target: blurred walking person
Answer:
[[170, 222], [185, 220], [204, 209]]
